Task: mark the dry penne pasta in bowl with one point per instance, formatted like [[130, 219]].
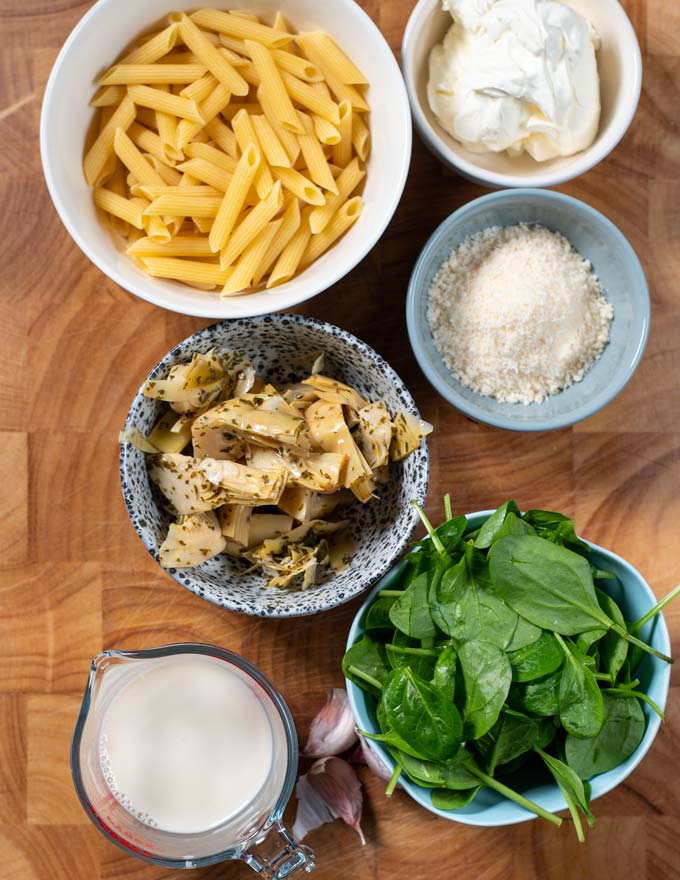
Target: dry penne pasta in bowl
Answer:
[[238, 162]]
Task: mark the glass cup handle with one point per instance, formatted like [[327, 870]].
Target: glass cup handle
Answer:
[[278, 856]]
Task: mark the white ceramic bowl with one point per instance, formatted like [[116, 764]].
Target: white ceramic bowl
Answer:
[[620, 66], [95, 43]]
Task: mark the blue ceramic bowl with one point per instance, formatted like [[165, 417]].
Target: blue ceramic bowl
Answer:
[[635, 597], [614, 261]]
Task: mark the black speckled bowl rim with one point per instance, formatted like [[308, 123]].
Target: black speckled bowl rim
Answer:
[[356, 579]]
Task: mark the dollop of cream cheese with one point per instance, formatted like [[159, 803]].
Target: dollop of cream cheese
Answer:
[[517, 75]]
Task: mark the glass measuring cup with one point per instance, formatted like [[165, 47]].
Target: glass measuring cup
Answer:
[[255, 835]]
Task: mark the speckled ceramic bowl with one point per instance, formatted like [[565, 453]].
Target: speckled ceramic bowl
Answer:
[[283, 348]]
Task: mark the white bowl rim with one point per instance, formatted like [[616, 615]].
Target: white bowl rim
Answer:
[[582, 161], [651, 728], [448, 392], [222, 310], [411, 515]]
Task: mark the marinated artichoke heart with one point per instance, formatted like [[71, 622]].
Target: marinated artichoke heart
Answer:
[[407, 432], [191, 541], [270, 468], [319, 471], [208, 378], [183, 482], [328, 429], [243, 484], [294, 558]]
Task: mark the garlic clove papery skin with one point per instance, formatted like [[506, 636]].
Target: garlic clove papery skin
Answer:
[[329, 790], [333, 731]]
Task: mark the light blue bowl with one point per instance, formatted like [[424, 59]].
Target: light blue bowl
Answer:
[[614, 261], [635, 597]]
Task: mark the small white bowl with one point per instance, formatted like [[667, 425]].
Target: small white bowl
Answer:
[[620, 67], [96, 42]]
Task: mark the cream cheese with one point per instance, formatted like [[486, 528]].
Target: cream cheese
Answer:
[[517, 75]]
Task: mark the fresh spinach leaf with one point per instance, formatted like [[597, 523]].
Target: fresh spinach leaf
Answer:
[[511, 736], [525, 634], [573, 791], [486, 675], [444, 677], [405, 651], [580, 698], [365, 663], [586, 640], [612, 648], [449, 532], [547, 584], [447, 799], [556, 528], [537, 697], [489, 530], [378, 616], [420, 714], [450, 774], [410, 613], [621, 732], [536, 660], [513, 525]]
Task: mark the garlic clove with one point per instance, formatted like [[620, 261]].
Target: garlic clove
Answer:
[[332, 732], [365, 754], [329, 790]]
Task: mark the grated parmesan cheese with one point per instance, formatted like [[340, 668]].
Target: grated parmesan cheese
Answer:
[[518, 314]]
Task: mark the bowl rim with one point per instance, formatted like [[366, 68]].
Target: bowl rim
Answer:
[[410, 514], [416, 291], [334, 271], [581, 162], [651, 729]]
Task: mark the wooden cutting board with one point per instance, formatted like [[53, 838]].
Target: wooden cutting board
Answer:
[[74, 578]]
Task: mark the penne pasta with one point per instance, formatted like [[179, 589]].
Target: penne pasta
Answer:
[[223, 136], [154, 48], [245, 135], [341, 221], [242, 275], [208, 173], [290, 223], [317, 164], [271, 146], [134, 161], [234, 198], [189, 271], [326, 132], [347, 182], [287, 264], [155, 99], [102, 149], [223, 193], [273, 86], [118, 206], [287, 138], [151, 74], [204, 50], [335, 58], [109, 96], [342, 150], [309, 97], [185, 205], [361, 137], [300, 186], [179, 246], [251, 226], [240, 28]]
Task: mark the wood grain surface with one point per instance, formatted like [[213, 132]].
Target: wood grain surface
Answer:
[[74, 578]]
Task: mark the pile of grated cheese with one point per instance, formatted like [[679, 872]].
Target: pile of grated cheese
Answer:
[[518, 314]]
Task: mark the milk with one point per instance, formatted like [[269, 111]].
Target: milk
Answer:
[[186, 745]]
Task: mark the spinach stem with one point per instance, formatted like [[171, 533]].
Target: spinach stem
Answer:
[[627, 692], [637, 626], [365, 677], [447, 507], [574, 814], [603, 676], [390, 593], [436, 540], [394, 778], [514, 795], [640, 644], [417, 652]]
